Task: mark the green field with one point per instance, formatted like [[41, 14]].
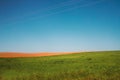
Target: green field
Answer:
[[81, 66]]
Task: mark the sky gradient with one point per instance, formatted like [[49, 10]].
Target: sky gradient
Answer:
[[59, 25]]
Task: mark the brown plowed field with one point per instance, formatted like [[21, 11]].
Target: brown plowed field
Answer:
[[17, 54]]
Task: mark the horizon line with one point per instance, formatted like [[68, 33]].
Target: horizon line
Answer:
[[57, 51]]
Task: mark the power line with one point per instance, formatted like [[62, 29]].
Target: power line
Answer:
[[74, 5], [49, 8]]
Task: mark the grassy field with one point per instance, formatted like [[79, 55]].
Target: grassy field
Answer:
[[81, 66]]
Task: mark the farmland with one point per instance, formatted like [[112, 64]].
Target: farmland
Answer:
[[103, 65]]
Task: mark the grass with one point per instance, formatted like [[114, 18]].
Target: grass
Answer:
[[82, 66]]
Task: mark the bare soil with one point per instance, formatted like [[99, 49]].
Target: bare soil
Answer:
[[17, 54]]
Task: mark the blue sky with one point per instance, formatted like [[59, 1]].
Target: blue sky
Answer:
[[59, 25]]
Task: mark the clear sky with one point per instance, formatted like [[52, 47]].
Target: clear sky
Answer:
[[59, 25]]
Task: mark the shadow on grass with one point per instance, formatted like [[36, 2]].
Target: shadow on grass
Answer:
[[7, 64]]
